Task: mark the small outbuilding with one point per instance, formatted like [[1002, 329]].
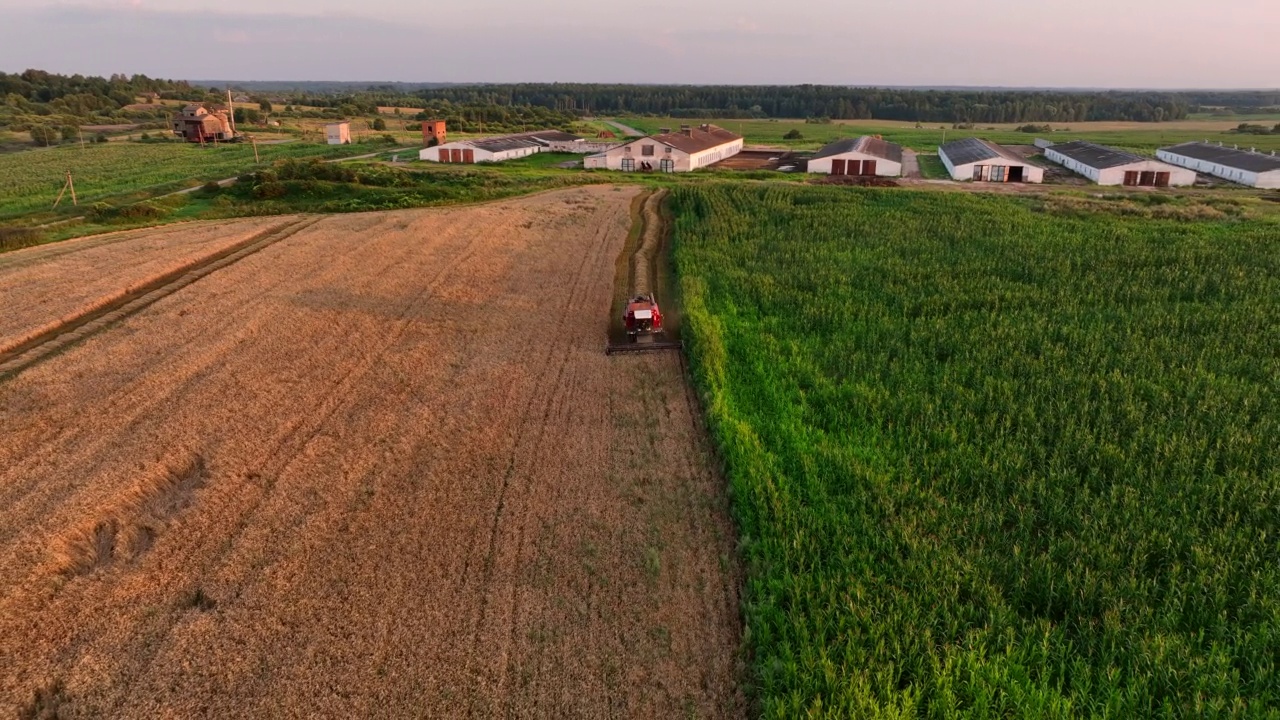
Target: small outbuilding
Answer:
[[1246, 167], [338, 133], [1111, 166], [865, 156], [689, 149], [983, 161]]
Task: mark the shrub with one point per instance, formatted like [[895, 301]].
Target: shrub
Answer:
[[269, 190], [793, 134], [379, 124], [210, 188]]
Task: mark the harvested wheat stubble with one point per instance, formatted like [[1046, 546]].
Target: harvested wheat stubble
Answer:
[[380, 468], [42, 285]]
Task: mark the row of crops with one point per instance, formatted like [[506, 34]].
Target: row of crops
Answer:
[[30, 181], [991, 463]]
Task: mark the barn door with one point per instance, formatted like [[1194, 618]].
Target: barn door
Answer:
[[1131, 178], [1148, 179], [455, 156], [837, 167], [868, 167], [468, 156], [443, 155], [1162, 179]]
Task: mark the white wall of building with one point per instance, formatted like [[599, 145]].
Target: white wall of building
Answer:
[[432, 154], [1267, 180], [964, 173], [884, 168], [337, 133], [681, 160], [1115, 175]]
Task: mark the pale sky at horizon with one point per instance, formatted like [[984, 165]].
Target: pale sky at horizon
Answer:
[[1010, 43]]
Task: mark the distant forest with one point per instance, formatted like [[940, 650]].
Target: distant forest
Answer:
[[35, 98], [816, 101]]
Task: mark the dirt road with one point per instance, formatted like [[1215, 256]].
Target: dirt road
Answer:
[[626, 130], [379, 468]]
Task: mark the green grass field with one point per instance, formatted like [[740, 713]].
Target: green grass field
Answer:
[[927, 139], [931, 167], [989, 462], [29, 181]]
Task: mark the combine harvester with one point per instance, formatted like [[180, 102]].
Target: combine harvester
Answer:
[[642, 319]]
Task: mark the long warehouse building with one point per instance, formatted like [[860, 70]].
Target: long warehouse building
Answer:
[[1111, 166], [503, 147], [689, 149], [865, 156], [984, 161], [1246, 167]]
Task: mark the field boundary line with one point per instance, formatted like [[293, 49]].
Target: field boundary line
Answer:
[[39, 344]]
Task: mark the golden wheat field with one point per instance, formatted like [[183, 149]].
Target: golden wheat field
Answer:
[[380, 467]]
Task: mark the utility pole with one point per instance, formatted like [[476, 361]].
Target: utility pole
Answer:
[[255, 149], [67, 184]]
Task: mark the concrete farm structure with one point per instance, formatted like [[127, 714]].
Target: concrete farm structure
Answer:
[[1246, 167], [683, 151], [865, 156], [503, 147], [338, 133], [195, 123], [1110, 166], [983, 161]]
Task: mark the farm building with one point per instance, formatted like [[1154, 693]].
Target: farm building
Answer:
[[434, 133], [858, 156], [338, 133], [195, 123], [689, 149], [1110, 166], [504, 147], [983, 161], [1246, 167]]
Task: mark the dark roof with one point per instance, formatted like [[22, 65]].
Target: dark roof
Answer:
[[501, 144], [703, 137], [548, 136], [1095, 156], [1230, 157], [866, 144], [971, 150]]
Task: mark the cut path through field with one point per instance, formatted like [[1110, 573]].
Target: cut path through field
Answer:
[[379, 468]]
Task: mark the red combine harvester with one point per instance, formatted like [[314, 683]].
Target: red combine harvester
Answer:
[[642, 319]]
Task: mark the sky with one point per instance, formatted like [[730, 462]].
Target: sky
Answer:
[[1005, 43]]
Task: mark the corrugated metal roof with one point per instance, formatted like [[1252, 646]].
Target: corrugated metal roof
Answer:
[[971, 150], [1097, 157], [696, 139], [502, 144], [1230, 157], [866, 144]]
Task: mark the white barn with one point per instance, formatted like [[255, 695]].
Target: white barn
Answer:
[[865, 156], [1109, 166], [683, 151], [1246, 167], [338, 133], [983, 161], [503, 147]]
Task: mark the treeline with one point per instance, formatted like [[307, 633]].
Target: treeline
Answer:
[[827, 101]]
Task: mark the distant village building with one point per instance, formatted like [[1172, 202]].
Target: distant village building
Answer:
[[434, 133], [196, 123], [865, 156], [506, 147], [982, 161], [1111, 166], [689, 149], [1246, 167], [338, 133]]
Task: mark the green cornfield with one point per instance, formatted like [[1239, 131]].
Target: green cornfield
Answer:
[[989, 462]]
